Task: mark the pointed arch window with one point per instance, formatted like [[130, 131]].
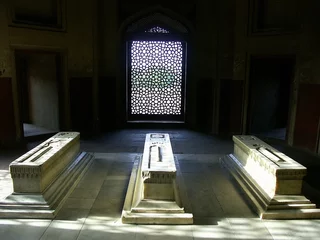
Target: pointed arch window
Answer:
[[155, 74]]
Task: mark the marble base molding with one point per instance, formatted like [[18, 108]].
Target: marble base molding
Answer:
[[45, 176], [271, 180]]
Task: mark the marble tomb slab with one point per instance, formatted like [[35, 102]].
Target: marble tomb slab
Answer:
[[272, 180], [153, 193], [45, 176]]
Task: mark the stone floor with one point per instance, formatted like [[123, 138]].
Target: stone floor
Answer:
[[278, 133], [33, 130], [93, 209]]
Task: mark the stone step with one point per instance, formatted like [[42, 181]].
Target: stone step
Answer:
[[157, 218], [287, 199], [24, 199], [291, 206], [27, 213], [157, 206], [24, 206], [292, 214]]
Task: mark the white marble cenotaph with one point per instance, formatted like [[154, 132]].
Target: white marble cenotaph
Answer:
[[45, 176], [153, 193], [271, 180]]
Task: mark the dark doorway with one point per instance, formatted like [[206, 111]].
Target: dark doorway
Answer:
[[38, 77], [269, 95]]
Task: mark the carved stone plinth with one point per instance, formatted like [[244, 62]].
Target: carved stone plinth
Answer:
[[45, 176], [35, 170], [272, 180], [153, 194]]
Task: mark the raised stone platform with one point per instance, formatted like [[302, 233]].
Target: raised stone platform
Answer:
[[153, 194], [45, 176], [272, 180]]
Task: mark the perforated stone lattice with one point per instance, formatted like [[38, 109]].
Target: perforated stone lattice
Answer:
[[156, 77], [157, 30]]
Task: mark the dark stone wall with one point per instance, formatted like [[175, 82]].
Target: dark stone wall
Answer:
[[185, 8], [231, 106], [205, 103], [306, 133], [107, 103], [7, 120], [81, 105]]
